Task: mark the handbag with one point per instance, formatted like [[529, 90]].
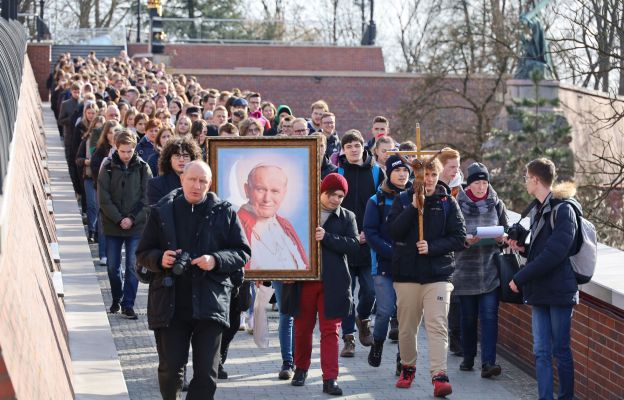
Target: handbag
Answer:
[[507, 264]]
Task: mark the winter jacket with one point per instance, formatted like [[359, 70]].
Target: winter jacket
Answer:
[[221, 236], [160, 186], [66, 113], [152, 161], [327, 167], [341, 239], [444, 231], [376, 229], [361, 188], [145, 149], [475, 272], [98, 157], [333, 145], [122, 192], [548, 278]]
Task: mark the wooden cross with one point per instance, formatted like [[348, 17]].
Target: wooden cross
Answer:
[[418, 165]]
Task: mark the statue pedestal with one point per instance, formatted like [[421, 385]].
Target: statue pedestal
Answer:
[[519, 89]]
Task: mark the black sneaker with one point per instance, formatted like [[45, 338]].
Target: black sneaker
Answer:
[[129, 313], [222, 374], [299, 378], [466, 364], [114, 308], [489, 370], [393, 333], [330, 386], [286, 372], [374, 356]]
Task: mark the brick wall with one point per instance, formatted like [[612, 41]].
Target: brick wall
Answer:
[[291, 58], [34, 361], [597, 345], [39, 55]]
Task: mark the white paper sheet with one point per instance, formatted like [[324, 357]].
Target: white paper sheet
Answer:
[[488, 232]]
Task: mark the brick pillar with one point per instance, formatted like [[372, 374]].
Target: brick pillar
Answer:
[[39, 55]]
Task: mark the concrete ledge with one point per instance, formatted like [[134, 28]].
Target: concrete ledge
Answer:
[[95, 362]]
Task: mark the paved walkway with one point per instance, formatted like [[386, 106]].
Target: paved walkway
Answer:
[[253, 371]]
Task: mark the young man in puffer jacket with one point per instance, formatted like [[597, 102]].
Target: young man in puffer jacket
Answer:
[[422, 269]]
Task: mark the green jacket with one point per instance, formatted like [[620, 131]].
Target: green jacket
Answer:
[[122, 192]]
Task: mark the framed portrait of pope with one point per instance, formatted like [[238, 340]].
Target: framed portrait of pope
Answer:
[[272, 184]]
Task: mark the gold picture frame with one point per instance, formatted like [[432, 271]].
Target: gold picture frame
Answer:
[[273, 184]]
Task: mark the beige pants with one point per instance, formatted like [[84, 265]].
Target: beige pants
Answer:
[[431, 300]]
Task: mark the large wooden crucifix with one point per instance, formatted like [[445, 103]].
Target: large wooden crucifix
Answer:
[[419, 164]]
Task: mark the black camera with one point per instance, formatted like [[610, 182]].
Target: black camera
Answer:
[[518, 233], [181, 263]]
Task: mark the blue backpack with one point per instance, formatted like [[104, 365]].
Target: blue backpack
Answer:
[[376, 172]]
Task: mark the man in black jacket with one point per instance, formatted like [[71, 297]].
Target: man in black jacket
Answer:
[[191, 304], [422, 270], [364, 177]]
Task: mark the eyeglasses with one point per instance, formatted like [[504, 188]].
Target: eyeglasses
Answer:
[[527, 177], [186, 157], [300, 130]]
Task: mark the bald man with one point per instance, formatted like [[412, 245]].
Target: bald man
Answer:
[[191, 303], [274, 241]]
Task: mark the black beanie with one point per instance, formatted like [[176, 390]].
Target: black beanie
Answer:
[[477, 172], [394, 162]]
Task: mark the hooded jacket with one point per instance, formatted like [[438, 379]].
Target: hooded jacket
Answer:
[[444, 232], [361, 188], [220, 235], [376, 228], [122, 192], [548, 278]]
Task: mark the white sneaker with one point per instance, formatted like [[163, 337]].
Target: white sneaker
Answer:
[[250, 325], [103, 261], [243, 325]]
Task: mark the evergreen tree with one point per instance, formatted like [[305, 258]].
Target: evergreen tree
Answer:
[[534, 130]]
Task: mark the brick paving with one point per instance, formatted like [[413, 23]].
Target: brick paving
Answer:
[[253, 371]]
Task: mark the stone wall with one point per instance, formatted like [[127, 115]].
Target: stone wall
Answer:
[[34, 360]]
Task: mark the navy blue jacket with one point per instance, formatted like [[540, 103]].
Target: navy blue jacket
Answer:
[[377, 231], [444, 231], [160, 186], [152, 161], [548, 278], [145, 149]]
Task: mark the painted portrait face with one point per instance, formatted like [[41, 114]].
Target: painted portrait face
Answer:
[[265, 189]]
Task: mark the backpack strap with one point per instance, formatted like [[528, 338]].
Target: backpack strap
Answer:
[[376, 172]]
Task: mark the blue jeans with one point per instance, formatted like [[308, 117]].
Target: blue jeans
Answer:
[[115, 276], [92, 206], [551, 337], [285, 328], [385, 299], [366, 297], [484, 308]]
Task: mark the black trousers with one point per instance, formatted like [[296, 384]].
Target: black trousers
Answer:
[[173, 343], [228, 334]]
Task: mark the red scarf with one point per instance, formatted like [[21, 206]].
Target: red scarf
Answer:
[[475, 198]]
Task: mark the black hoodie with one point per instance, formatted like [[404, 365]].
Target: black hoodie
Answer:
[[361, 188]]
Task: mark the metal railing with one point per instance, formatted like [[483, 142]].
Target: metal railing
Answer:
[[209, 30], [13, 40]]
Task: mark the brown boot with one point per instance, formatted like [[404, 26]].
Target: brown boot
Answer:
[[365, 334], [349, 346]]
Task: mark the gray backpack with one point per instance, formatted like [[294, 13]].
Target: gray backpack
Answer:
[[584, 258]]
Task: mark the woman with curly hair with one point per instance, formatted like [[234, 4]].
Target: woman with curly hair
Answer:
[[174, 156]]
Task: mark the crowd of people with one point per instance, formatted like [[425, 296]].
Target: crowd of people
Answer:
[[136, 147]]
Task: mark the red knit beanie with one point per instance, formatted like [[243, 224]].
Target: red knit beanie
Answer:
[[334, 181]]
